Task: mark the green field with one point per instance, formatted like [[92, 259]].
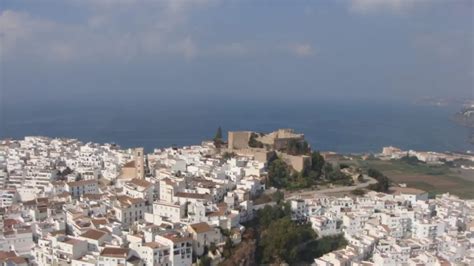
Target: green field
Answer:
[[431, 178]]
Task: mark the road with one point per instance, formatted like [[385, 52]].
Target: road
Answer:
[[310, 193]]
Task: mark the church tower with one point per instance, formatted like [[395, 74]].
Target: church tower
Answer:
[[139, 162]]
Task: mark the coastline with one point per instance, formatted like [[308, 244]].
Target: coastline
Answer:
[[331, 126]]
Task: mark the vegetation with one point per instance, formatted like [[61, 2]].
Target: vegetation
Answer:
[[227, 248], [228, 155], [344, 165], [218, 138], [62, 175], [243, 253], [431, 178], [280, 175], [285, 240], [278, 197], [296, 147], [459, 163], [262, 198], [253, 142], [66, 171], [317, 163], [358, 192], [383, 183], [338, 177], [413, 160], [204, 261], [280, 240], [212, 247]]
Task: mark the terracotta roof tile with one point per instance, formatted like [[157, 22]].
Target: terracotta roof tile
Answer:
[[201, 227], [140, 182], [94, 234], [115, 252], [130, 164], [191, 195], [153, 245]]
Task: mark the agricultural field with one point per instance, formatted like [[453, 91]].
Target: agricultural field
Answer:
[[431, 178]]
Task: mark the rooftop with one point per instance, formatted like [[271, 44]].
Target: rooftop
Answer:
[[201, 227], [94, 234], [115, 252]]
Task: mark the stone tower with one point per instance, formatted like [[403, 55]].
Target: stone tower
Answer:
[[139, 162]]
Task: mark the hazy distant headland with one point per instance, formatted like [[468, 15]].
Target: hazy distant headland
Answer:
[[465, 117]]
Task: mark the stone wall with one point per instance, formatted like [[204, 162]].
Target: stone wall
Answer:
[[298, 162], [238, 139]]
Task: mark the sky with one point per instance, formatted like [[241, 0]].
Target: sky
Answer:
[[78, 51]]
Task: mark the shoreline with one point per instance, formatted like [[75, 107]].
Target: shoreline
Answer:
[[150, 150]]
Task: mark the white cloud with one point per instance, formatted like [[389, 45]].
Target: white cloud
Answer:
[[302, 49], [182, 5], [16, 27], [233, 49], [187, 48], [368, 6], [448, 45], [120, 29]]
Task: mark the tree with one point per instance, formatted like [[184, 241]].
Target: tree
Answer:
[[228, 155], [296, 147], [358, 192], [212, 247], [327, 169], [278, 196], [66, 171], [285, 240], [227, 248], [336, 175], [279, 239], [278, 173], [374, 173], [343, 166], [461, 226], [413, 160], [383, 183], [253, 142], [270, 213], [204, 261], [315, 249], [218, 133], [225, 232], [317, 162], [218, 138], [324, 245]]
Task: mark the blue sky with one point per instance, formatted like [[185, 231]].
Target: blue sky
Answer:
[[85, 50]]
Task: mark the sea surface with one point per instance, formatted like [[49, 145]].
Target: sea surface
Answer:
[[328, 125]]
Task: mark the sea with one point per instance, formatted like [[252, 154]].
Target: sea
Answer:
[[340, 126]]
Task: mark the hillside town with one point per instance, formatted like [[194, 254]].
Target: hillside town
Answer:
[[404, 228], [64, 202]]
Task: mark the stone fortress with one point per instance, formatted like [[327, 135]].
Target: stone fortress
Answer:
[[263, 146]]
